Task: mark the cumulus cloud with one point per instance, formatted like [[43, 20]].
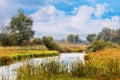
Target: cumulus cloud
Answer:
[[48, 20], [100, 10]]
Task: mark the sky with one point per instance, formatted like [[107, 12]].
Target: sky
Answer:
[[58, 18]]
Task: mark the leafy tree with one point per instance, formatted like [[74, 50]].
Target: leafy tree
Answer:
[[91, 37], [50, 44], [47, 39], [73, 38], [21, 27], [109, 35]]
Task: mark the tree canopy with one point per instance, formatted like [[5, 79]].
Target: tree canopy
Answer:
[[18, 30], [73, 38], [21, 27], [106, 34]]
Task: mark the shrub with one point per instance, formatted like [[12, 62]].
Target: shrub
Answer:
[[99, 45], [50, 44]]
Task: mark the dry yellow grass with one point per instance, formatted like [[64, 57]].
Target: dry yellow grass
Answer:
[[109, 53], [73, 46], [16, 49]]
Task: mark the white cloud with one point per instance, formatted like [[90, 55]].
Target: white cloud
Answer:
[[51, 21], [100, 10], [48, 20]]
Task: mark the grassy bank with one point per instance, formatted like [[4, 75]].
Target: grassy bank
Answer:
[[105, 53], [10, 55], [94, 69], [68, 47]]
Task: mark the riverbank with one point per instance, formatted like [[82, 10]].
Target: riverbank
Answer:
[[95, 69], [9, 72], [6, 59]]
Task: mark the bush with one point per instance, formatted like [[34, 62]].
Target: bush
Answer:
[[48, 41], [99, 45]]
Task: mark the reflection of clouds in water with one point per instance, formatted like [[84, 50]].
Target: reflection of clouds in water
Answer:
[[9, 72]]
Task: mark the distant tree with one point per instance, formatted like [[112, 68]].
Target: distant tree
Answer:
[[91, 37], [108, 35], [50, 44], [72, 38], [36, 41], [21, 27], [118, 34], [2, 26], [99, 45], [47, 39]]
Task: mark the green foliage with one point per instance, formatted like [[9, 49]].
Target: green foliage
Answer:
[[21, 28], [99, 45], [33, 42], [73, 38], [50, 44], [109, 35], [7, 59], [91, 37]]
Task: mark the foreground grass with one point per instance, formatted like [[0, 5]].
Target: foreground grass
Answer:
[[94, 69]]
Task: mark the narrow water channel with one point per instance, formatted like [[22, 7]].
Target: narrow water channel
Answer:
[[9, 72]]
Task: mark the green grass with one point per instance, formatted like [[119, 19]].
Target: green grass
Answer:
[[6, 59], [94, 69]]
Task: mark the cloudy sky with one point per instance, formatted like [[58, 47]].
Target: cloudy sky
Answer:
[[62, 17]]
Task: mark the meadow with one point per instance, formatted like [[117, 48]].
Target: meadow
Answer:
[[100, 65], [10, 55], [73, 48]]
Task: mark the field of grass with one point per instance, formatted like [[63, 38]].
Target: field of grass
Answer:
[[100, 65], [95, 69], [68, 47], [9, 55], [105, 53]]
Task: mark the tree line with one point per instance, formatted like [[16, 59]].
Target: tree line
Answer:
[[106, 34]]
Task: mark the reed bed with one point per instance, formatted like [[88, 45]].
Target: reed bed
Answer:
[[94, 69]]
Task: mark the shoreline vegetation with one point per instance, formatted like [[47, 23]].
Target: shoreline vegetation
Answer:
[[94, 69], [10, 55]]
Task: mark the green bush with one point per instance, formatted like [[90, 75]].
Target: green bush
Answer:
[[50, 44], [99, 45]]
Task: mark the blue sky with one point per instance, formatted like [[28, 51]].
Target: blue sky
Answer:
[[62, 17]]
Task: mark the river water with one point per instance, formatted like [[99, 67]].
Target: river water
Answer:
[[9, 72]]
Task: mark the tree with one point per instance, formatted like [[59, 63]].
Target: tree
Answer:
[[2, 26], [21, 27], [72, 38], [50, 44], [108, 35], [91, 37]]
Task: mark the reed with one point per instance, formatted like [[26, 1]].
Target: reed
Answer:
[[94, 69]]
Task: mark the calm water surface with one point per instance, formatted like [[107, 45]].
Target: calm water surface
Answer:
[[9, 73]]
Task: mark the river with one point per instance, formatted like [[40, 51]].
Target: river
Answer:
[[9, 72]]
